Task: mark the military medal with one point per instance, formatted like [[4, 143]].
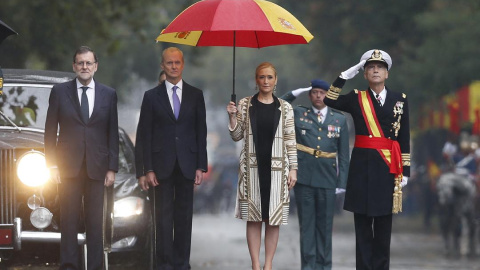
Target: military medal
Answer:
[[397, 110], [330, 133]]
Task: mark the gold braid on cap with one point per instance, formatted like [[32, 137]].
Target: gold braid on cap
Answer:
[[376, 56], [333, 92]]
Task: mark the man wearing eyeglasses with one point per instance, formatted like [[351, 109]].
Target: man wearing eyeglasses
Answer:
[[83, 158]]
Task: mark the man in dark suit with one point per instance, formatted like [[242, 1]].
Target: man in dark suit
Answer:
[[174, 138], [323, 157], [83, 158], [380, 163], [139, 148]]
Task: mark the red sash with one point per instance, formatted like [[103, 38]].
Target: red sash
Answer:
[[388, 149]]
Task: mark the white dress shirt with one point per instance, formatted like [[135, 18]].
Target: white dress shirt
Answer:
[[90, 95], [170, 91]]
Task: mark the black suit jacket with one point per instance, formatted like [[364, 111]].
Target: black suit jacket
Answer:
[[97, 140], [166, 139]]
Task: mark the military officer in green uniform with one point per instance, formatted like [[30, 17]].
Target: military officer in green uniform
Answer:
[[323, 160]]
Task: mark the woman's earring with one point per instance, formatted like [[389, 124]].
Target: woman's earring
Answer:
[[274, 88]]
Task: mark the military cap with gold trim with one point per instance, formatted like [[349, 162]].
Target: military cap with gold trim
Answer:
[[376, 55]]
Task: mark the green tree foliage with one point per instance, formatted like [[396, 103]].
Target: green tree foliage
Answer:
[[433, 43], [447, 57]]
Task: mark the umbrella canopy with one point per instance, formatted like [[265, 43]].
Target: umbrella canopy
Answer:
[[5, 31], [235, 23], [254, 23]]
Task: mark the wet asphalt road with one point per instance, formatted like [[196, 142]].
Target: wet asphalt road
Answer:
[[219, 243]]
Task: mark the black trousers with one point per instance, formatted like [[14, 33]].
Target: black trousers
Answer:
[[173, 214], [71, 192], [373, 235]]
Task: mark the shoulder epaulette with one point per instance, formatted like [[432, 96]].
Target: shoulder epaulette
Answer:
[[356, 91], [302, 106], [404, 96]]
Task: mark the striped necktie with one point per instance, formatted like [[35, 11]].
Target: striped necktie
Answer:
[[379, 99]]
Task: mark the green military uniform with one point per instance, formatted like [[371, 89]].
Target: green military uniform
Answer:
[[323, 160]]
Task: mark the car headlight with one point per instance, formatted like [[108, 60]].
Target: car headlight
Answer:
[[32, 169], [128, 207]]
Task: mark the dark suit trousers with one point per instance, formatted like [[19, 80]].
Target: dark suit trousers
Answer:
[[315, 216], [71, 192], [173, 210], [373, 236]]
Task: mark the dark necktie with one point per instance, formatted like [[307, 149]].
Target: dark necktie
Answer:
[[84, 105], [379, 99], [176, 102]]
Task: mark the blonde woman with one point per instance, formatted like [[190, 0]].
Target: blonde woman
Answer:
[[268, 162]]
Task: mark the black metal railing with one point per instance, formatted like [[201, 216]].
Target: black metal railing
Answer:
[[7, 182]]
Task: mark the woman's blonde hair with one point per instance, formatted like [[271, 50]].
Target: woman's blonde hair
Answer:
[[265, 65]]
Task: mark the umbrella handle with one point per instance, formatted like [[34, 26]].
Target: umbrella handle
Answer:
[[234, 98]]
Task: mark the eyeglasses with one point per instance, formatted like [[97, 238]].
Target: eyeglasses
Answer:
[[81, 64]]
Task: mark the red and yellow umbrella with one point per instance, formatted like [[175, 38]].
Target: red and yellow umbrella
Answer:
[[235, 23]]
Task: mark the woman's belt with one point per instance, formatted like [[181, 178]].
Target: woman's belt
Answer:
[[381, 143], [314, 152]]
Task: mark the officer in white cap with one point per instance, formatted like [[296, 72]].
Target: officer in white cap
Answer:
[[380, 161]]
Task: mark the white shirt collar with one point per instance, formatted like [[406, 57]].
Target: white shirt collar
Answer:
[[324, 111], [170, 85], [90, 85], [383, 94]]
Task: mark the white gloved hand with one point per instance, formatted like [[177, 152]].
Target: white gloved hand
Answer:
[[298, 91], [351, 72], [404, 181], [339, 190]]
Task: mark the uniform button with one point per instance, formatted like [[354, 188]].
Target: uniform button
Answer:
[[176, 138], [320, 129], [334, 165], [370, 136], [318, 146], [319, 138], [389, 138]]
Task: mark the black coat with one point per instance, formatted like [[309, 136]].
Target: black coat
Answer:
[[370, 184]]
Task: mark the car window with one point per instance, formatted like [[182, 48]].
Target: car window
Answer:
[[26, 106]]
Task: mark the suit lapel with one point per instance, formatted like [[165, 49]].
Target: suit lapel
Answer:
[[164, 101], [99, 98], [72, 94], [187, 99], [328, 117]]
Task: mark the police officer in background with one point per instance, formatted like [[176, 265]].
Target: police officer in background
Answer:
[[323, 157], [380, 162]]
